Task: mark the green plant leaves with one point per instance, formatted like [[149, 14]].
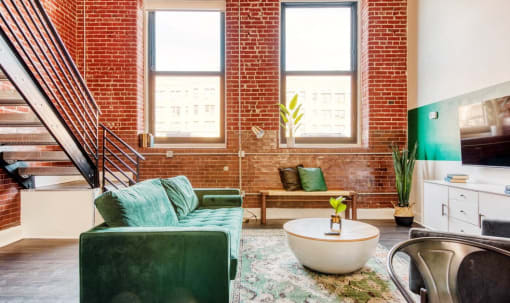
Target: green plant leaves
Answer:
[[284, 109], [296, 112], [291, 114], [298, 119], [403, 163], [337, 204], [284, 117], [293, 102]]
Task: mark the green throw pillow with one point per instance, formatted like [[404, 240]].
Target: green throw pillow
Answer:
[[181, 195], [143, 204], [312, 179]]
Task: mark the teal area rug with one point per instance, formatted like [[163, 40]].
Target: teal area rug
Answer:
[[269, 272]]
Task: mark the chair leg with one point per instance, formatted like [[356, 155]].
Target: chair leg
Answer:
[[423, 295]]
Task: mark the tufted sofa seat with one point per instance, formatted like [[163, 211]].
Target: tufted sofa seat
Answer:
[[162, 241]]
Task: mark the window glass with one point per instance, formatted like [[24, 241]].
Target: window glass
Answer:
[[318, 38], [188, 41]]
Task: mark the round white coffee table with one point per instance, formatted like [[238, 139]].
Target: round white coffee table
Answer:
[[331, 254]]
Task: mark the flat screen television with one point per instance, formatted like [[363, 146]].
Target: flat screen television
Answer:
[[485, 132]]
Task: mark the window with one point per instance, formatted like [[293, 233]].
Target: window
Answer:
[[319, 63], [186, 71]]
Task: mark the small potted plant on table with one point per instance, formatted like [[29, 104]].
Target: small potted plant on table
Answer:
[[403, 162], [338, 206]]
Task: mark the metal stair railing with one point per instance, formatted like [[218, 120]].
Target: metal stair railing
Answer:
[[117, 162], [41, 68]]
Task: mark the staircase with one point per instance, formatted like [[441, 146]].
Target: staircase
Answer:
[[49, 120], [27, 148]]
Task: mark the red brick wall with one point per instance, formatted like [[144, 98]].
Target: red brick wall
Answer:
[[63, 14], [113, 66], [114, 69]]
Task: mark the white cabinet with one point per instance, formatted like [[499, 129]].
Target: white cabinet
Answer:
[[435, 206], [462, 207], [494, 206]]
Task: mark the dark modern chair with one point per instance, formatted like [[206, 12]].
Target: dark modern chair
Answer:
[[451, 267]]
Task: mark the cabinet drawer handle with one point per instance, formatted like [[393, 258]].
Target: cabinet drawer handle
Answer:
[[480, 216], [461, 230], [442, 209], [462, 211]]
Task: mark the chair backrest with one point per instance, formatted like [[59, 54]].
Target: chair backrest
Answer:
[[438, 260]]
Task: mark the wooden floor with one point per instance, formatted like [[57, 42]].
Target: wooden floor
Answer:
[[34, 270]]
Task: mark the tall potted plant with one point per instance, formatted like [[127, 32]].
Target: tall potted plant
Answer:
[[291, 116], [403, 162]]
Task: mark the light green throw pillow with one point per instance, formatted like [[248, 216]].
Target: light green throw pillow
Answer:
[[143, 204], [181, 194]]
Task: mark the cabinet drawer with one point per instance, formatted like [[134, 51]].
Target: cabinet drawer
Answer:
[[458, 226], [465, 211], [494, 206], [464, 195]]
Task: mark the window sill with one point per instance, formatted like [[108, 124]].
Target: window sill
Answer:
[[324, 146], [191, 145]]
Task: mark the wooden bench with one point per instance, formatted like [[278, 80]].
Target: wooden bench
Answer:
[[350, 212]]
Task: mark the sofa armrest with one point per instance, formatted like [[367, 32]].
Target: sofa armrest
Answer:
[[496, 228], [146, 264], [202, 192]]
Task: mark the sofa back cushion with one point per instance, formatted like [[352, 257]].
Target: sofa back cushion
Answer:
[[143, 204], [181, 194]]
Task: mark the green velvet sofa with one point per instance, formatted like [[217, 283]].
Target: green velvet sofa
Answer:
[[162, 241]]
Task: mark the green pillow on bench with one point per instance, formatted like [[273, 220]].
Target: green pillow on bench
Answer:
[[312, 179]]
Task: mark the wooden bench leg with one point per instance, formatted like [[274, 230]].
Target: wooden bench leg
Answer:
[[348, 210], [263, 210], [354, 208]]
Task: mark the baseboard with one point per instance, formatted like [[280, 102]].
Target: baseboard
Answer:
[[10, 235], [295, 213]]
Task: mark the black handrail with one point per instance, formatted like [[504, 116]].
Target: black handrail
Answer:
[[110, 165], [66, 54]]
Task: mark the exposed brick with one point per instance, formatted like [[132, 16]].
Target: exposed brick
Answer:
[[111, 63], [106, 39]]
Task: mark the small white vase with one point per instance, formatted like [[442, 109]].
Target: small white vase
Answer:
[[291, 142]]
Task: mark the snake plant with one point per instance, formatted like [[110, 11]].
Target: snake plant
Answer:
[[403, 162]]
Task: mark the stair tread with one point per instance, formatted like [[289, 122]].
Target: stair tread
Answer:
[[19, 119], [27, 139], [35, 156], [49, 171], [66, 186]]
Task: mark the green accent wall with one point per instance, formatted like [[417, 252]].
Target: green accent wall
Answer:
[[439, 139]]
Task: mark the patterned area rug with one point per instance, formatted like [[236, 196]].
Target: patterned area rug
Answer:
[[269, 272]]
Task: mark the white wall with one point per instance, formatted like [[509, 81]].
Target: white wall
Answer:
[[456, 47], [58, 213]]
